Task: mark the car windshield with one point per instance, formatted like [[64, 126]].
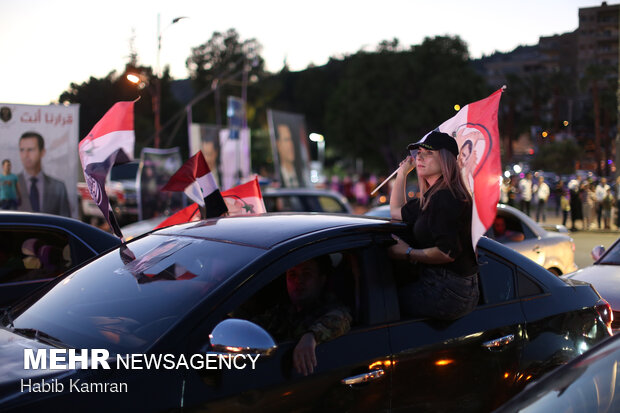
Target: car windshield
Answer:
[[125, 304], [612, 257], [127, 171]]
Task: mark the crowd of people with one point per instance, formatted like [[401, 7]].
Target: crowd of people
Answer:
[[588, 203]]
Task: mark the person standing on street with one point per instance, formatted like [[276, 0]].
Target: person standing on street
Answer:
[[541, 196], [525, 188], [600, 192]]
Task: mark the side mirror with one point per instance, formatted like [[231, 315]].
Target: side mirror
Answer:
[[235, 336], [597, 252]]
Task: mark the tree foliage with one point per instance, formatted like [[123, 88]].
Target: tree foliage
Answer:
[[218, 65], [387, 99]]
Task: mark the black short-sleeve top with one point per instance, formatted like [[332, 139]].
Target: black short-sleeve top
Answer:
[[445, 223]]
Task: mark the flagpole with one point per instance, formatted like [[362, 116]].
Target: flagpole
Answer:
[[383, 183]]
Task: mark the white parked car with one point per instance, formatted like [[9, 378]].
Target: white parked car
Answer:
[[553, 249]]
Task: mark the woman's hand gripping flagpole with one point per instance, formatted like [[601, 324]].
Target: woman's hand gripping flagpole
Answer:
[[374, 191]]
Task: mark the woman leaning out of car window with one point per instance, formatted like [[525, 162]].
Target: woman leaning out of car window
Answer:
[[443, 283]]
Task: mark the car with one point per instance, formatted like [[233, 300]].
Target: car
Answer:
[[552, 248], [305, 200], [276, 200], [589, 383], [36, 247], [604, 275], [176, 293]]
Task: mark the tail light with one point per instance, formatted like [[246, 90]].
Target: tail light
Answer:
[[605, 313]]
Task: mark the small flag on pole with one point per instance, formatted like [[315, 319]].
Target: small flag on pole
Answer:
[[244, 199], [110, 142], [195, 179]]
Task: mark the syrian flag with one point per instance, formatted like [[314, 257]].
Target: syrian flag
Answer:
[[195, 179], [477, 135], [109, 143], [188, 214], [244, 199]]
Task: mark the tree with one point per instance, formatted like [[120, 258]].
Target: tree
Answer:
[[219, 65], [387, 99]]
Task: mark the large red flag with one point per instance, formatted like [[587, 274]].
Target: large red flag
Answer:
[[195, 179], [477, 135], [109, 143], [244, 199]]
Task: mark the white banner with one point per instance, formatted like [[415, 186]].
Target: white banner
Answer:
[[59, 127], [234, 158]]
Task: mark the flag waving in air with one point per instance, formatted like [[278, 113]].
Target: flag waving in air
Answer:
[[477, 135], [244, 199], [109, 143], [195, 179]]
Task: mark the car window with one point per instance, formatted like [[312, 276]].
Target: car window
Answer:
[[28, 254], [612, 256], [273, 308], [127, 171], [115, 301], [329, 204], [527, 287], [496, 280], [288, 203]]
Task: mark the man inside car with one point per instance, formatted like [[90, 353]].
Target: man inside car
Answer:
[[312, 316], [502, 234]]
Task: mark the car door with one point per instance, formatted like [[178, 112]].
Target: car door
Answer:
[[353, 371], [467, 365], [532, 245]]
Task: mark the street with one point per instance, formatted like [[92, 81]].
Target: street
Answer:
[[586, 240]]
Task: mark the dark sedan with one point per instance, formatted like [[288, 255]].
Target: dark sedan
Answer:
[[35, 248], [172, 293]]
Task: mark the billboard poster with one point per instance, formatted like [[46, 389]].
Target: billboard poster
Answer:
[[235, 158], [41, 143], [289, 143], [156, 168], [205, 138]]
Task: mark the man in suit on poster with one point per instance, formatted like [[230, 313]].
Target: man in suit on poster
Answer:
[[39, 191]]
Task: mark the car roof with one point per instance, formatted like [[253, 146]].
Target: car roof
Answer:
[[93, 236], [267, 230]]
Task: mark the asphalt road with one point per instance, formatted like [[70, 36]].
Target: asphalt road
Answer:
[[586, 240]]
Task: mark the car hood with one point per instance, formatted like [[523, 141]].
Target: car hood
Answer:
[[12, 357], [12, 365], [604, 278]]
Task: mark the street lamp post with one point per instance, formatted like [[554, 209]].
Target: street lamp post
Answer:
[[157, 97]]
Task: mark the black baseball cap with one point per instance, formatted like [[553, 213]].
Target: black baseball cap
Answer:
[[435, 141]]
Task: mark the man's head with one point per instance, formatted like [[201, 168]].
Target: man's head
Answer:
[[499, 226], [603, 181], [305, 281], [6, 166], [285, 144], [465, 153], [541, 179], [31, 151], [528, 176], [209, 150]]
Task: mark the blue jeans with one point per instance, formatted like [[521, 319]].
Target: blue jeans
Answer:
[[439, 293]]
